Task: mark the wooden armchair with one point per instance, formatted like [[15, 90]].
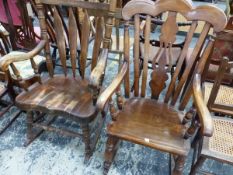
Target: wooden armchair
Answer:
[[66, 94], [154, 117], [219, 97], [7, 87]]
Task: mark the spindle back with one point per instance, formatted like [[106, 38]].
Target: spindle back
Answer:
[[159, 79], [67, 31]]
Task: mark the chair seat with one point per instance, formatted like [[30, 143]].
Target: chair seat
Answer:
[[224, 96], [64, 95], [153, 124], [220, 145]]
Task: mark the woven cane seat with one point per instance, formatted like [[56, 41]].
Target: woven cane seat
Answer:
[[224, 96], [220, 145]]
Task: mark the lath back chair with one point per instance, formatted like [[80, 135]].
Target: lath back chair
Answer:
[[219, 97], [67, 93], [151, 115]]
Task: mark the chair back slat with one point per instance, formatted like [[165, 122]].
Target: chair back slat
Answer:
[[162, 60], [98, 41], [73, 35], [84, 43], [181, 60], [59, 31], [146, 56], [136, 54], [192, 59], [198, 69], [126, 58]]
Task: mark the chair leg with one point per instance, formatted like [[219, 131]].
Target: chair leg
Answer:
[[31, 135], [110, 151], [197, 165], [86, 139], [179, 165], [29, 127]]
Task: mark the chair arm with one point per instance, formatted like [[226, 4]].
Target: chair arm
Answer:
[[202, 110], [3, 32], [97, 72], [107, 93], [8, 59]]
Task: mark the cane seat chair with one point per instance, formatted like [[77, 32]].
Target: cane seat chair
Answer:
[[219, 100], [67, 94], [152, 116]]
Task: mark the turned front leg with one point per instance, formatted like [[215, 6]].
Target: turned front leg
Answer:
[[86, 139], [110, 151]]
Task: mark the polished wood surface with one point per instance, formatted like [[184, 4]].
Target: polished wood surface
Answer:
[[145, 116], [60, 95], [136, 121]]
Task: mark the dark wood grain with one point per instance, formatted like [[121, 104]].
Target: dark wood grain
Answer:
[[150, 120], [69, 96]]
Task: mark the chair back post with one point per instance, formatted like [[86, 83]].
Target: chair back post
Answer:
[[109, 24], [44, 36]]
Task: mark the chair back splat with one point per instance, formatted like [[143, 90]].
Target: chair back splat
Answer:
[[159, 80]]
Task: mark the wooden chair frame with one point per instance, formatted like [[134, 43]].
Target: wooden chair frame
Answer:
[[89, 88], [126, 123]]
